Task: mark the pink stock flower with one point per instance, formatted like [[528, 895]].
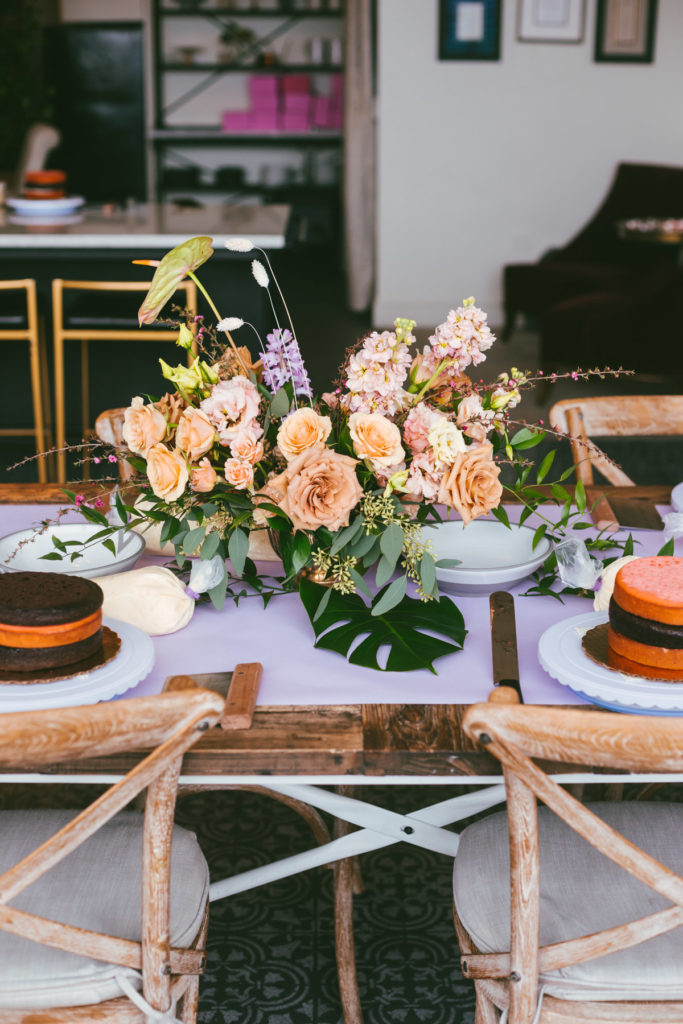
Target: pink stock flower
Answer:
[[462, 339], [375, 375], [417, 425], [232, 407]]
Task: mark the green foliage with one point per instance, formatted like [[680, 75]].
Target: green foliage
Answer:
[[405, 628]]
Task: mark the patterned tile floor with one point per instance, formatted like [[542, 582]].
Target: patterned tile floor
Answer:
[[271, 951]]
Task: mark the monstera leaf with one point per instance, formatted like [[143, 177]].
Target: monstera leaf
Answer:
[[346, 618], [175, 265]]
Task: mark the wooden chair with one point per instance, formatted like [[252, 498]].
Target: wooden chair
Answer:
[[572, 912], [22, 324], [80, 934], [100, 325], [624, 416]]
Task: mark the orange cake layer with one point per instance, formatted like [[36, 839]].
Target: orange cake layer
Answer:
[[55, 635], [633, 668], [644, 654], [652, 588]]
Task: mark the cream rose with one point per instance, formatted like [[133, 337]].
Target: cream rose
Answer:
[[321, 488], [203, 477], [376, 438], [447, 442], [302, 429], [238, 474], [471, 484], [143, 426], [195, 433], [167, 472]]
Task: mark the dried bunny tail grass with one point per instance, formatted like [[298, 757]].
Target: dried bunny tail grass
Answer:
[[239, 245]]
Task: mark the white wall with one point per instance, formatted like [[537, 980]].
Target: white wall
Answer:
[[485, 163]]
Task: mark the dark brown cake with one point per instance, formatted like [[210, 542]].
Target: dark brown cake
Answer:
[[47, 619]]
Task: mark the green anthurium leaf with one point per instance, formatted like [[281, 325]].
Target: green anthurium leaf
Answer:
[[175, 265], [296, 550], [407, 629]]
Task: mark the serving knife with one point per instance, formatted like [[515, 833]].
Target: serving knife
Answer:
[[504, 648]]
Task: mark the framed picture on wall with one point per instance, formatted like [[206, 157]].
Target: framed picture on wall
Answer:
[[550, 21], [469, 29], [625, 30]]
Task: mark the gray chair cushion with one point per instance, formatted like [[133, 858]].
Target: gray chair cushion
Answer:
[[97, 887], [581, 892]]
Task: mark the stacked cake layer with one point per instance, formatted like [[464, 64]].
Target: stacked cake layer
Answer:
[[47, 620], [645, 633]]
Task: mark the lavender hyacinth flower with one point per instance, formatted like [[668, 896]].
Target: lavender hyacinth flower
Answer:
[[282, 362]]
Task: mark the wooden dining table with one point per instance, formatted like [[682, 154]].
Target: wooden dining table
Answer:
[[322, 729]]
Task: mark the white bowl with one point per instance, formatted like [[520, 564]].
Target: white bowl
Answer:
[[492, 556], [96, 560]]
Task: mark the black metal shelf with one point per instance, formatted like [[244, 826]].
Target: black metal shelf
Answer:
[[214, 136], [274, 69], [226, 12], [292, 191]]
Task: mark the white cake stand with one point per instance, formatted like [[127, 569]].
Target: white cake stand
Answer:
[[562, 656], [133, 662]]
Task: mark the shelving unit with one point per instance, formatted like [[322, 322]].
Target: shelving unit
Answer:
[[301, 167]]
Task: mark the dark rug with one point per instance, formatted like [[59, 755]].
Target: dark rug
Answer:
[[271, 950]]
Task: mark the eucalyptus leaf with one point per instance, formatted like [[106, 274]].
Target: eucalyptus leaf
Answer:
[[279, 405], [407, 629], [428, 573], [210, 545], [193, 539], [238, 548], [347, 535], [391, 543], [384, 571]]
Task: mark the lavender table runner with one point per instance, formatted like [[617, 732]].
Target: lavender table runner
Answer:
[[281, 638]]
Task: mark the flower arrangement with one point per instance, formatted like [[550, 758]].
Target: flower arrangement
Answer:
[[342, 483]]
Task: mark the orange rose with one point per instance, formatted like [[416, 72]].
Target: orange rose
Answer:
[[238, 474], [247, 448], [203, 477], [143, 426], [321, 488], [195, 433], [376, 438], [166, 472], [301, 431], [471, 484]]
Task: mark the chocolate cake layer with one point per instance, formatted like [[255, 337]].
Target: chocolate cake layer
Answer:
[[645, 631], [24, 659], [46, 598]]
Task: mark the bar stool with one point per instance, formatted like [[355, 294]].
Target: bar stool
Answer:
[[22, 324], [100, 324]]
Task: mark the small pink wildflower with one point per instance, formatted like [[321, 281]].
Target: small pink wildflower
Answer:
[[112, 458], [79, 500], [96, 460], [99, 503]]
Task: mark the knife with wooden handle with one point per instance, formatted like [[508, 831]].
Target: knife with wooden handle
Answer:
[[504, 649]]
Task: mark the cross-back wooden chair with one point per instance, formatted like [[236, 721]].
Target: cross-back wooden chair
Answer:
[[91, 906], [572, 912], [618, 416]]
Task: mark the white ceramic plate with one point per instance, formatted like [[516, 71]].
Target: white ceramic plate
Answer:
[[677, 498], [96, 560], [562, 656], [43, 207], [492, 556], [131, 665], [49, 221]]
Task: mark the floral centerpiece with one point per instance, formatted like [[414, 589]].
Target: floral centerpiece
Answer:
[[343, 483]]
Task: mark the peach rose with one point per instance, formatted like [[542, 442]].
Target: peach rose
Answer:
[[376, 438], [203, 477], [167, 472], [238, 474], [195, 433], [321, 488], [302, 429], [143, 426], [247, 448], [471, 484]]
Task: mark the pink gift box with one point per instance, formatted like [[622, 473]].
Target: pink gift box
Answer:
[[321, 111], [294, 123], [263, 85], [264, 122], [296, 103], [235, 121]]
